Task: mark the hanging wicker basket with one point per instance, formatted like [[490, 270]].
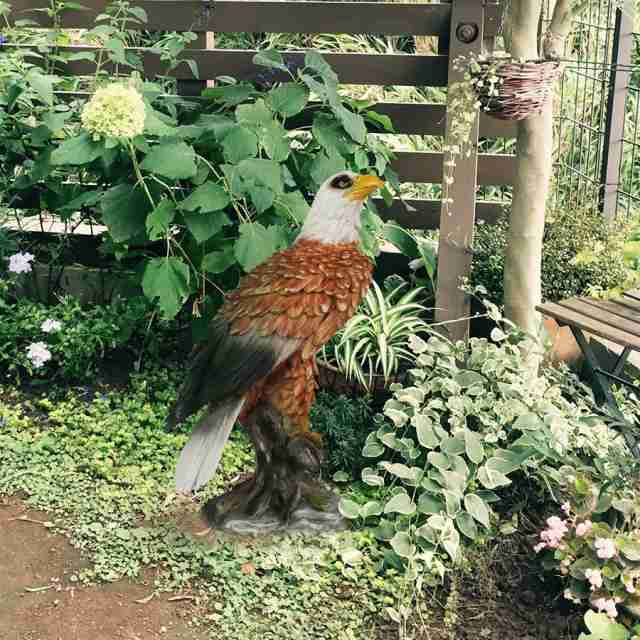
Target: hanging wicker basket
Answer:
[[523, 88]]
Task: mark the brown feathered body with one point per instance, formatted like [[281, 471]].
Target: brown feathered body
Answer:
[[306, 292]]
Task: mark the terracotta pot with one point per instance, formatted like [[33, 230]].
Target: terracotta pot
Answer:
[[564, 347]]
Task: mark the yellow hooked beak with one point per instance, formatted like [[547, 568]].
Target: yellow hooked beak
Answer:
[[363, 187]]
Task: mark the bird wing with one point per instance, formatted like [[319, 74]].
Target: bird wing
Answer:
[[295, 300]]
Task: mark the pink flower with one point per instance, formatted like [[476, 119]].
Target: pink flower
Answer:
[[539, 547], [605, 548], [594, 576], [552, 536], [566, 507], [608, 606], [583, 528], [20, 262]]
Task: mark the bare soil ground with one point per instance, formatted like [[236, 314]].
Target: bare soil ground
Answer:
[[39, 601]]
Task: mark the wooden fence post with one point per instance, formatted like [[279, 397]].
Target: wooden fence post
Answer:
[[457, 221], [619, 79]]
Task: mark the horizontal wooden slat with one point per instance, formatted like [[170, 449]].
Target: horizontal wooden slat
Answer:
[[225, 16], [493, 169], [597, 311], [352, 68], [425, 214], [622, 307], [411, 118], [633, 294], [565, 316]]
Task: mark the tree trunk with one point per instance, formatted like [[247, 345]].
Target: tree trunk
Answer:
[[523, 260]]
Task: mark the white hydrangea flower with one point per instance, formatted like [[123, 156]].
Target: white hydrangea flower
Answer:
[[20, 262], [114, 111], [49, 326], [38, 353]]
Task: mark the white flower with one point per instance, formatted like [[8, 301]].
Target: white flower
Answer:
[[114, 111], [20, 262], [605, 548], [38, 354], [594, 576], [49, 326]]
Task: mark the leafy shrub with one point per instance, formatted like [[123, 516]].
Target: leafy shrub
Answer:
[[218, 185], [595, 543], [581, 255], [79, 339], [473, 420], [344, 423], [374, 341]]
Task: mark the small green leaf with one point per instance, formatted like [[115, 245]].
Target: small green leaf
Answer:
[[257, 243], [275, 142], [467, 526], [491, 479], [266, 173], [372, 508], [469, 378], [209, 196], [77, 151], [353, 124], [372, 450], [341, 476], [349, 509], [370, 477], [400, 503], [424, 430], [167, 280], [603, 628], [428, 503], [160, 218], [324, 166], [630, 549], [288, 99], [352, 557], [205, 225], [473, 446], [438, 460], [124, 210], [401, 543], [238, 144], [218, 261], [292, 205], [175, 160], [42, 84], [229, 95], [271, 59], [477, 508], [528, 421]]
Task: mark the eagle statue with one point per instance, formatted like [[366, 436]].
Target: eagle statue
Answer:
[[258, 362]]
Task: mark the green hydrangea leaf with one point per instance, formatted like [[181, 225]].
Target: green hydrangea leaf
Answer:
[[239, 143], [219, 261], [77, 151], [124, 210], [167, 280], [160, 218], [209, 196], [174, 160], [292, 205], [205, 225], [256, 243], [288, 99]]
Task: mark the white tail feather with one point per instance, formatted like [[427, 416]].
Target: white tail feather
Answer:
[[201, 455]]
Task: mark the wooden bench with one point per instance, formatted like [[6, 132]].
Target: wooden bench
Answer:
[[617, 321]]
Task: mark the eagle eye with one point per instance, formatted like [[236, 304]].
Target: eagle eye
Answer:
[[342, 182]]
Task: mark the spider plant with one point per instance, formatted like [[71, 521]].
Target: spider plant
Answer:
[[374, 342]]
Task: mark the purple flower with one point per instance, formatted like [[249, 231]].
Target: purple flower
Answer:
[[2, 39]]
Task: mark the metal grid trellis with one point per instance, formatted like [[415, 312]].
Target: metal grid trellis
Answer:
[[597, 163]]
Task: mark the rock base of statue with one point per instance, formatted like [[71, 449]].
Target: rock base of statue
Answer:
[[285, 492], [304, 519]]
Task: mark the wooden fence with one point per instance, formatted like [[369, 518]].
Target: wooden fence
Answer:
[[462, 27]]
